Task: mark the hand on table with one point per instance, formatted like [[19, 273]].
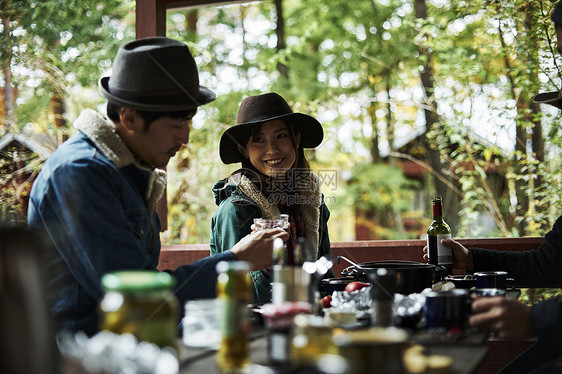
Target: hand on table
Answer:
[[462, 258], [257, 247], [507, 318]]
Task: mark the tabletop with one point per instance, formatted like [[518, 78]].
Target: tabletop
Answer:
[[466, 354]]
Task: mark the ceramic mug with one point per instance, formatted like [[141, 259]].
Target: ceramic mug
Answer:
[[493, 279], [447, 310]]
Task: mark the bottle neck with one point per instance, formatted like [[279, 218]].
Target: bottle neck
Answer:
[[437, 211]]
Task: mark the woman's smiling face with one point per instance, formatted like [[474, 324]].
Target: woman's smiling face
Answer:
[[271, 150]]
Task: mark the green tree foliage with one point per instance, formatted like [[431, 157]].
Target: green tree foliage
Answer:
[[504, 49], [355, 66], [52, 52], [381, 188], [58, 45]]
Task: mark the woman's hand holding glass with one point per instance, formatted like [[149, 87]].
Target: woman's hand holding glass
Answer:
[[278, 255], [257, 247]]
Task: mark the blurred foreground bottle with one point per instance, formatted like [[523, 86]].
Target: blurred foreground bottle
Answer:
[[141, 303], [311, 339], [233, 292], [439, 229], [383, 288]]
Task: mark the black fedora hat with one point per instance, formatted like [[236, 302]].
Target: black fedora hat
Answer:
[[263, 108], [155, 74], [553, 98]]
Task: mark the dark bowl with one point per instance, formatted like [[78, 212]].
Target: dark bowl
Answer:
[[411, 277], [335, 284], [460, 282], [409, 321]]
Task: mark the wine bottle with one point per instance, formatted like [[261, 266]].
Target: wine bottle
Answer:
[[439, 254]]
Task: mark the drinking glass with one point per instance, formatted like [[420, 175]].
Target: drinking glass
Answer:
[[271, 223], [201, 324]]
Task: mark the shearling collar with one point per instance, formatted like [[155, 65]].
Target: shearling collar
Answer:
[[100, 130]]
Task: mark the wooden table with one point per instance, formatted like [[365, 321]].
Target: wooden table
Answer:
[[466, 355], [467, 352], [466, 359]]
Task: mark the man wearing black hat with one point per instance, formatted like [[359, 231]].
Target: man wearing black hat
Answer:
[[95, 197]]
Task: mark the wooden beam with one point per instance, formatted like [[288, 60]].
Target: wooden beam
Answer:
[[151, 14], [150, 18], [151, 21], [174, 4]]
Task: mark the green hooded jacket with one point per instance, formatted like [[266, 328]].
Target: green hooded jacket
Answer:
[[239, 201]]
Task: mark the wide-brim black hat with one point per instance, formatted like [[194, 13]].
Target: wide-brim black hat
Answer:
[[552, 98], [263, 108], [155, 74]]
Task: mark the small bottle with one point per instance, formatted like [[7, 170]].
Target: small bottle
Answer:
[[439, 254], [233, 293], [279, 323], [141, 303], [383, 288], [290, 246]]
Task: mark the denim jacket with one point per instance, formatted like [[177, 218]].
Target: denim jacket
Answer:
[[96, 202]]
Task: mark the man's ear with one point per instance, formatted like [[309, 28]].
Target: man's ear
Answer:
[[130, 119], [243, 150]]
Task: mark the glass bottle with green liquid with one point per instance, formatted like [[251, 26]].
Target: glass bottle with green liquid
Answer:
[[439, 254], [233, 292]]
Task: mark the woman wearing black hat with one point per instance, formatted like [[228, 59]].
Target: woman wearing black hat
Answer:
[[275, 178]]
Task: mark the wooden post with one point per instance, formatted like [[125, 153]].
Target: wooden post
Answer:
[[150, 18], [151, 21]]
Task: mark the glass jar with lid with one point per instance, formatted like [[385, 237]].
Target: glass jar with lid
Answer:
[[233, 293], [141, 303]]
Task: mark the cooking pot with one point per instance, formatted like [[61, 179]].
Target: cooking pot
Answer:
[[411, 276]]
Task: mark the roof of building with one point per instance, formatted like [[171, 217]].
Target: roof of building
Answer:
[[41, 144]]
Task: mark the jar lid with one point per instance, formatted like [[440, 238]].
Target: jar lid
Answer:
[[137, 280]]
